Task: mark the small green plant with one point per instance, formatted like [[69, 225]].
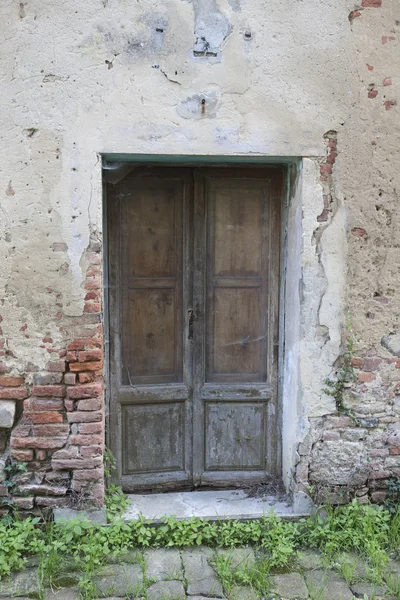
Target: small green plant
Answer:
[[344, 377], [110, 463], [392, 501], [116, 501], [255, 575], [12, 469]]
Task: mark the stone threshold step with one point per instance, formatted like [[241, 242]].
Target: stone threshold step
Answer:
[[213, 505]]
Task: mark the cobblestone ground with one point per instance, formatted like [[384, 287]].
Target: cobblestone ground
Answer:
[[197, 574]]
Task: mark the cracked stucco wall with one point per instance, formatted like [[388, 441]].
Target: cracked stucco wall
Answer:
[[112, 76]]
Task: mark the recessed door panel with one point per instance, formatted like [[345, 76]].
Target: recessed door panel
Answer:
[[235, 436], [149, 335], [235, 334], [154, 437]]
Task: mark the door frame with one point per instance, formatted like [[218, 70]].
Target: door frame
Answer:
[[258, 163]]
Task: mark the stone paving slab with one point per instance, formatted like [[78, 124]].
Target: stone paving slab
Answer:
[[166, 590], [242, 593], [62, 594], [168, 571], [119, 580], [308, 560], [238, 557], [370, 590], [327, 585], [290, 586], [200, 576], [163, 564], [20, 584]]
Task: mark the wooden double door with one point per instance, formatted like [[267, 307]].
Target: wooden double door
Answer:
[[193, 264]]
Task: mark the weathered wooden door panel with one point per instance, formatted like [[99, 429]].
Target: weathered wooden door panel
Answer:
[[194, 279], [150, 361], [236, 295]]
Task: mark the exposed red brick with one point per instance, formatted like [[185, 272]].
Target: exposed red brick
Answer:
[[354, 14], [371, 3], [50, 502], [50, 430], [56, 366], [40, 454], [332, 157], [93, 258], [47, 404], [87, 377], [394, 451], [370, 67], [88, 366], [338, 422], [84, 344], [49, 391], [358, 231], [86, 440], [11, 381], [325, 169], [93, 283], [84, 417], [372, 363], [387, 81], [93, 295], [389, 104], [85, 391], [46, 417], [93, 271], [23, 429], [86, 428], [22, 455], [357, 363], [388, 38], [92, 308], [372, 93], [89, 451], [24, 503], [37, 442], [47, 340], [366, 377], [330, 435], [71, 357], [90, 356], [77, 463], [13, 393], [70, 452], [89, 474], [89, 404]]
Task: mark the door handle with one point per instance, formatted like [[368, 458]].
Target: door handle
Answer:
[[190, 321]]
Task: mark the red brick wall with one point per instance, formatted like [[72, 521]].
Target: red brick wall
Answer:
[[60, 434]]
